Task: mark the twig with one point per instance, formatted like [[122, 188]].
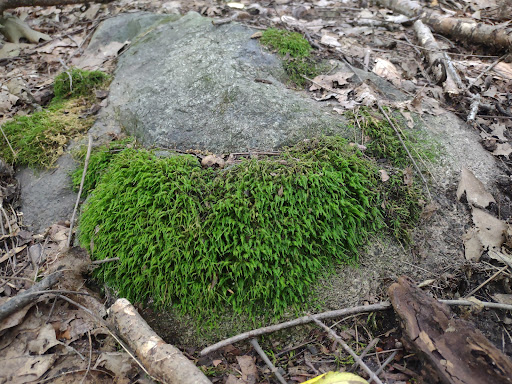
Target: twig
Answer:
[[97, 262], [301, 320], [485, 304], [8, 143], [71, 372], [486, 282], [473, 108], [90, 358], [89, 146], [345, 346], [384, 364], [364, 353], [484, 72], [265, 358]]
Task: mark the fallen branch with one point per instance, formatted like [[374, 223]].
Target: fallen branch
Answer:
[[22, 299], [164, 362], [490, 35], [292, 323], [453, 349], [383, 305]]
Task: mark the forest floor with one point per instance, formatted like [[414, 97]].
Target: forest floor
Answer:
[[367, 37]]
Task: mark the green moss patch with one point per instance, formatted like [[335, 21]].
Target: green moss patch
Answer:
[[39, 139], [251, 238], [78, 83], [295, 52]]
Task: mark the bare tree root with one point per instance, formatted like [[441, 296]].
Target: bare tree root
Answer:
[[14, 29]]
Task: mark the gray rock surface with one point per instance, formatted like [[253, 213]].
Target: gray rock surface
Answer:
[[190, 84], [47, 196]]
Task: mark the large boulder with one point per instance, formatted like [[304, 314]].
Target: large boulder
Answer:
[[189, 84]]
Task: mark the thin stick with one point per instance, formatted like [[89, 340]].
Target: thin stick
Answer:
[[90, 358], [484, 72], [345, 346], [301, 320], [485, 304], [405, 147], [97, 262], [486, 282], [89, 146], [365, 352], [267, 361], [8, 143], [397, 133], [384, 364]]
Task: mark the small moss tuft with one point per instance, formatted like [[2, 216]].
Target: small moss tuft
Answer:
[[286, 42], [78, 83], [295, 52], [39, 139]]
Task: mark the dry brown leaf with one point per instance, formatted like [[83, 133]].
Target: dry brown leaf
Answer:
[[46, 339], [473, 247], [337, 80], [248, 368], [119, 363], [383, 175], [503, 149], [504, 70], [388, 71], [474, 189], [498, 131], [25, 369], [408, 178], [16, 318], [491, 231], [503, 298]]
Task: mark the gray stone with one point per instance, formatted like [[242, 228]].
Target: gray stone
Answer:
[[47, 196], [191, 85]]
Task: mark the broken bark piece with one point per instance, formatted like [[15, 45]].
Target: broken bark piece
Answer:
[[455, 352], [163, 361]]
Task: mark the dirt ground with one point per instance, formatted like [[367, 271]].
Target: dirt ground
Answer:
[[438, 257]]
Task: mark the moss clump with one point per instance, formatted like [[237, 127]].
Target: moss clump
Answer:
[[78, 83], [39, 139], [98, 163], [295, 52], [286, 42], [251, 238]]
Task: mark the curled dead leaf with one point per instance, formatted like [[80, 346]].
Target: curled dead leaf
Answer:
[[213, 161]]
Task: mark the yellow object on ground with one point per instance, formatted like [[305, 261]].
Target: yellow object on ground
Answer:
[[337, 378]]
